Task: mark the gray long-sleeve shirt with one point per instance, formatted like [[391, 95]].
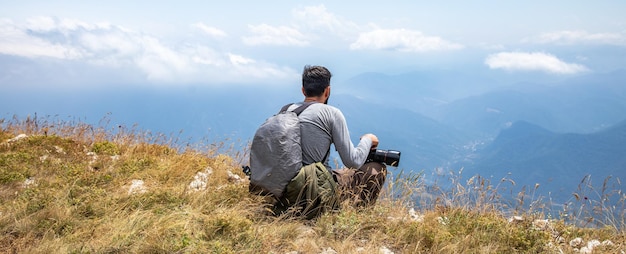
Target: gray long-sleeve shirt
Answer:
[[322, 125]]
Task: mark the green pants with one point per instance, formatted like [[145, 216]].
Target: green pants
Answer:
[[315, 190], [312, 192]]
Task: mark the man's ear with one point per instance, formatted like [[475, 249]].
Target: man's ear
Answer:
[[303, 92], [327, 91]]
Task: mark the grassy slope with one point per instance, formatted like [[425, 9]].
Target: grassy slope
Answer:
[[66, 188]]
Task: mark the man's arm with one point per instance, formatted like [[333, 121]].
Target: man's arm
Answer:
[[373, 138], [352, 157]]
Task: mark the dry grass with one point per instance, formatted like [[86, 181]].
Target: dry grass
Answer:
[[67, 187]]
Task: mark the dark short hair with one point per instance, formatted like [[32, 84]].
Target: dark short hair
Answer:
[[315, 79]]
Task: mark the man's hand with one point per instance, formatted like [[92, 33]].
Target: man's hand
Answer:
[[373, 138]]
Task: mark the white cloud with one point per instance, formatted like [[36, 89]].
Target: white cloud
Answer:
[[211, 31], [162, 63], [537, 61], [401, 40], [120, 49], [41, 24], [109, 42], [17, 41], [318, 18], [310, 23], [579, 37], [239, 60], [203, 55], [265, 34]]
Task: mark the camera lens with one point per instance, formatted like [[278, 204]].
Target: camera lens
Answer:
[[388, 157]]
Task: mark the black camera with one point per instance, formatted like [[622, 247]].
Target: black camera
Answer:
[[388, 157]]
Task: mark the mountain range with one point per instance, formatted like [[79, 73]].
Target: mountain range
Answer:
[[558, 162], [549, 133], [581, 105]]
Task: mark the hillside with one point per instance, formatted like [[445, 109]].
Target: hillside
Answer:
[[69, 187], [419, 91], [558, 162], [425, 143]]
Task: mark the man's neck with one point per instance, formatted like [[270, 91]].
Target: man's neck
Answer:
[[314, 99]]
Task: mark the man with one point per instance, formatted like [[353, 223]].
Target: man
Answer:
[[322, 125]]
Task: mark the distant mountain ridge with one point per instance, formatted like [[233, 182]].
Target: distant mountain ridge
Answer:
[[533, 155], [418, 91], [425, 143], [484, 106], [583, 105]]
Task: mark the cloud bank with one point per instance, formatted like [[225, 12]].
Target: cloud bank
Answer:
[[537, 61], [265, 34], [579, 37], [205, 53], [401, 40], [310, 25], [318, 19], [211, 31], [116, 47]]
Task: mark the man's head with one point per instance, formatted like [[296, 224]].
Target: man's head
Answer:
[[315, 80]]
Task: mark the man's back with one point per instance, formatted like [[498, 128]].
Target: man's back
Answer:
[[323, 125]]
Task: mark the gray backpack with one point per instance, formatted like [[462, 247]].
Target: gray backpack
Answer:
[[275, 153]]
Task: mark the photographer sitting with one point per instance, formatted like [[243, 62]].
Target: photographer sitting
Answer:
[[322, 125]]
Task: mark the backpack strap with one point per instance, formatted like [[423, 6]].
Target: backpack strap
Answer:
[[299, 109], [284, 108]]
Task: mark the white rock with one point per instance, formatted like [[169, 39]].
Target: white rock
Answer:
[[415, 216], [17, 138], [59, 149], [576, 242], [592, 244], [136, 187], [516, 219], [541, 224], [385, 250], [208, 170], [607, 243], [234, 178], [94, 157], [585, 250], [442, 220], [329, 250], [200, 180], [28, 182]]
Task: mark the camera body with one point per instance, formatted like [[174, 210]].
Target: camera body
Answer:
[[388, 157]]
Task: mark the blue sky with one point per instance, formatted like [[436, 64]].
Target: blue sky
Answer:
[[170, 43]]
